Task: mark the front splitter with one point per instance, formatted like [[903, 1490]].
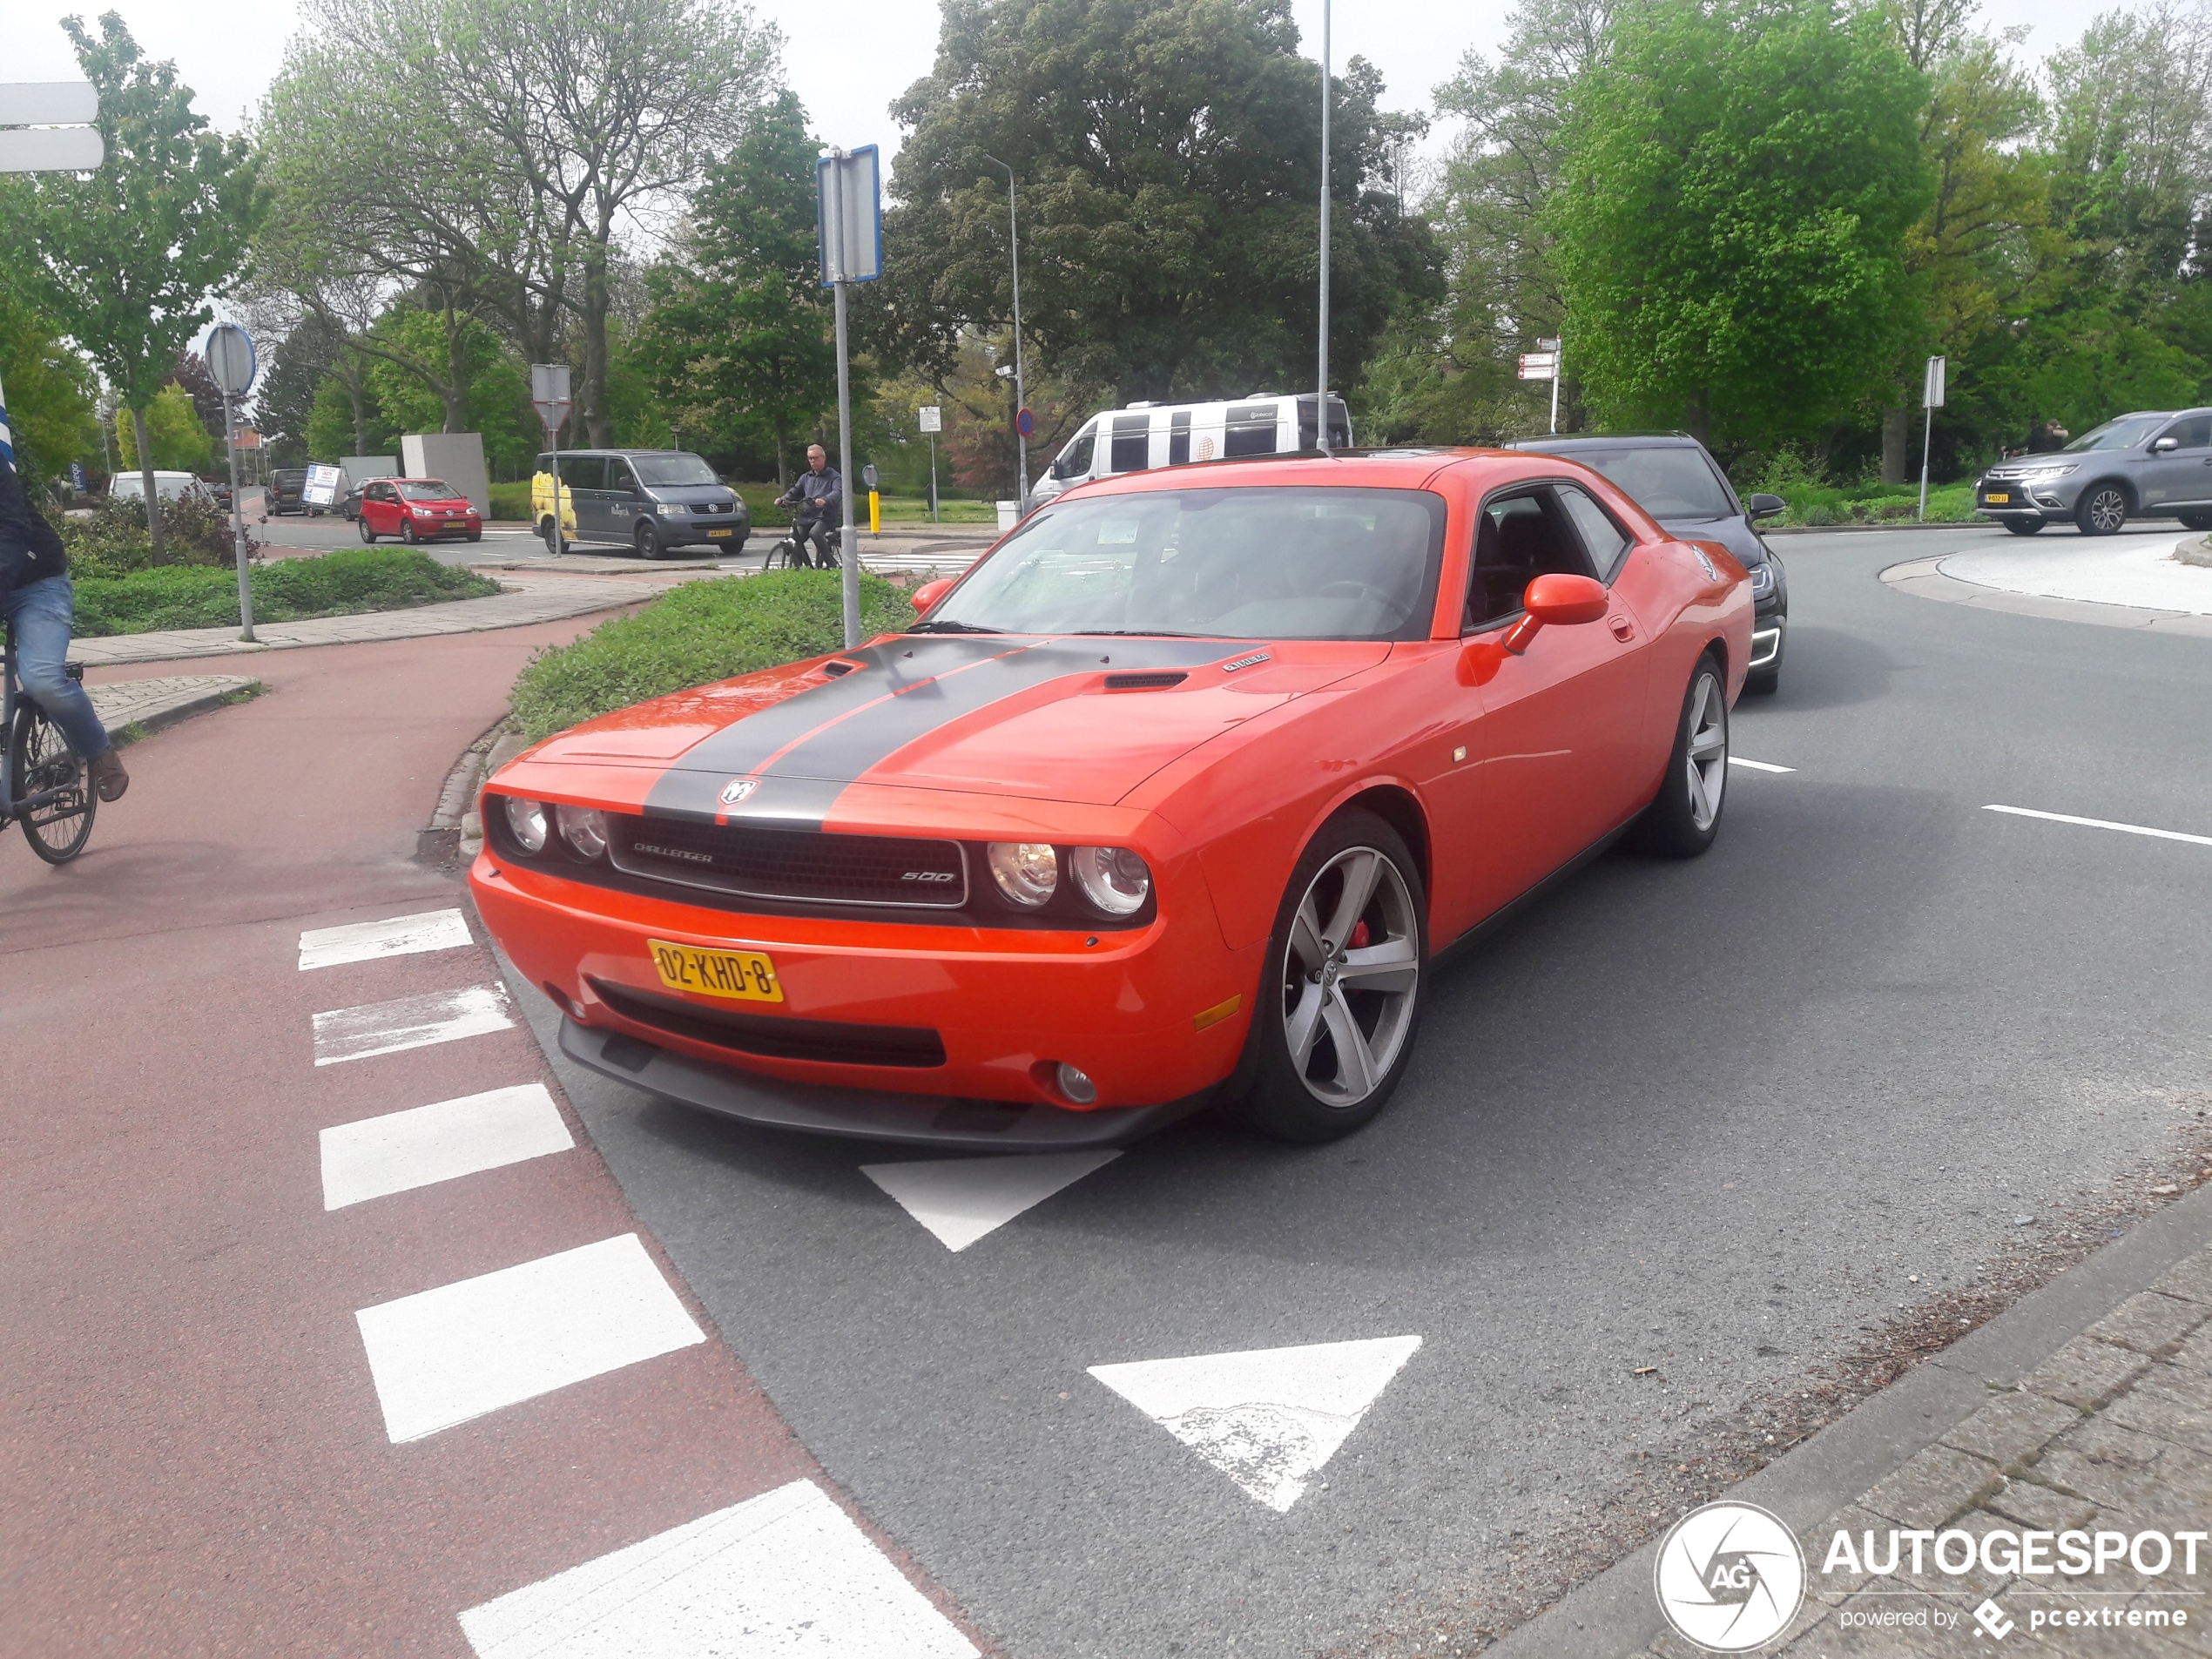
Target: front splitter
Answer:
[[861, 1114]]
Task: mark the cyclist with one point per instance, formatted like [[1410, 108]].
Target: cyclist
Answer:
[[819, 497], [35, 599]]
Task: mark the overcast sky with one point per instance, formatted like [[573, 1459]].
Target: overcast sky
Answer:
[[227, 50]]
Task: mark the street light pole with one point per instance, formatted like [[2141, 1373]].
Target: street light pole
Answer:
[[1321, 398], [1021, 387]]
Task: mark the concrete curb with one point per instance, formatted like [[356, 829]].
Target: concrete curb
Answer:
[[128, 728], [1881, 530], [439, 841], [1616, 1614], [1924, 578]]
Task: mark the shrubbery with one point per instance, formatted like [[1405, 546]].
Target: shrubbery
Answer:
[[112, 540], [701, 633], [345, 582]]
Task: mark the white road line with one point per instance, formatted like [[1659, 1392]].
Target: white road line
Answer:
[[1269, 1418], [402, 1151], [1758, 766], [444, 1356], [787, 1572], [2102, 823], [364, 941], [409, 1023], [961, 1199]]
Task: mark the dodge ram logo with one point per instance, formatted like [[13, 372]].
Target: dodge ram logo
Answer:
[[737, 789]]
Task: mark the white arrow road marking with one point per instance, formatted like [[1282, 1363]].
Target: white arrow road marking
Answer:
[[409, 1023], [961, 1199], [365, 941], [787, 1572], [402, 1151], [444, 1356], [2102, 823], [1758, 766], [1269, 1418]]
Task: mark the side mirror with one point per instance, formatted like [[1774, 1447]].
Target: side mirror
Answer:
[[1764, 506], [1556, 601], [930, 592], [2165, 446]]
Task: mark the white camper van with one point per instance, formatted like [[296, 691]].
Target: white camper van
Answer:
[[1145, 435]]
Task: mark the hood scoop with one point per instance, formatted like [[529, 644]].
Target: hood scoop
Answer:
[[1153, 682]]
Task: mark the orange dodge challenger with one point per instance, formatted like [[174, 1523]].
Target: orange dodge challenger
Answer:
[[1175, 795]]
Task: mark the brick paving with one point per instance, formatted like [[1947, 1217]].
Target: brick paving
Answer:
[[2111, 1433], [157, 702]]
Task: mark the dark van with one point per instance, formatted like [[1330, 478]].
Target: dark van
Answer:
[[655, 501]]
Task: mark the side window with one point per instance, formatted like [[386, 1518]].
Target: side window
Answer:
[[1518, 537], [1179, 438], [545, 462], [1251, 430], [1075, 460], [1132, 442], [584, 472], [2195, 433], [1603, 539], [620, 477]]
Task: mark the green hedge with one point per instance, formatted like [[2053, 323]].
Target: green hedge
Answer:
[[1873, 504], [511, 501], [339, 583], [701, 633]]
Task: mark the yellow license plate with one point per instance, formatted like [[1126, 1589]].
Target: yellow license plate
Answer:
[[743, 976], [714, 533], [1997, 498]]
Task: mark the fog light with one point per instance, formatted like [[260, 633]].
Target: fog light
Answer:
[[526, 821], [584, 830], [1075, 1084]]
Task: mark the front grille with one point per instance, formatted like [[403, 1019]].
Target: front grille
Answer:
[[809, 866], [774, 1036], [713, 507]]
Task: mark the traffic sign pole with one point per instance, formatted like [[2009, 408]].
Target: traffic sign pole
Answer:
[[1932, 399], [231, 364], [550, 391]]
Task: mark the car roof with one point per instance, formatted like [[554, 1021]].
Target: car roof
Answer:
[[1565, 442], [1396, 468]]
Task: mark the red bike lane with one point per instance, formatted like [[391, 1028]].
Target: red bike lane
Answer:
[[206, 1451]]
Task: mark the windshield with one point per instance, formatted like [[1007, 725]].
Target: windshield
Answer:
[[672, 469], [1278, 562], [2124, 434], [1666, 483], [427, 490]]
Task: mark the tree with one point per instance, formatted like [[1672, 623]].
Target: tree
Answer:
[[1739, 180], [168, 436], [738, 334], [1168, 153], [48, 388], [285, 392], [125, 259]]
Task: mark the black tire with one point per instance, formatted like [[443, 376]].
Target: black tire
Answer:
[[2101, 510], [367, 535], [407, 532], [650, 545], [555, 542], [1685, 815], [1306, 1102], [39, 759], [2025, 526], [2196, 520], [476, 535]]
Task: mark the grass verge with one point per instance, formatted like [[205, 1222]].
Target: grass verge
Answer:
[[340, 583], [701, 633], [1815, 504]]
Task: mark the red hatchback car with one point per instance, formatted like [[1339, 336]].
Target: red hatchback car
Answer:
[[1178, 795], [417, 509]]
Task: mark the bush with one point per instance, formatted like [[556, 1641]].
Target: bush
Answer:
[[1816, 513], [113, 540], [701, 633], [345, 582], [511, 501]]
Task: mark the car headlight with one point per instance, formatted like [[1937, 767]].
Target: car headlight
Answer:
[[1762, 580], [672, 509], [526, 822], [1112, 878], [1026, 872], [583, 829], [2044, 474]]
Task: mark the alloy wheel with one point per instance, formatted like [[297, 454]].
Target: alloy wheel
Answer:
[[1349, 976], [2104, 511], [1706, 763]]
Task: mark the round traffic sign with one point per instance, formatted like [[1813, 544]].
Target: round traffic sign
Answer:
[[1026, 424], [230, 359]]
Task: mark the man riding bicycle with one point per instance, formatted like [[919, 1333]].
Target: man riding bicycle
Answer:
[[37, 602], [819, 497]]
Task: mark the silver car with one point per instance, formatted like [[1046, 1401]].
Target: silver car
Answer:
[[2154, 463]]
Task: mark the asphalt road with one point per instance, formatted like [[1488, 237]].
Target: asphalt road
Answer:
[[1707, 1117]]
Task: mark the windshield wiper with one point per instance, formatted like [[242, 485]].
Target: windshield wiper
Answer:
[[1130, 633], [949, 627]]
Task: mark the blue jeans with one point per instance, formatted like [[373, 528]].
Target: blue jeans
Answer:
[[41, 614]]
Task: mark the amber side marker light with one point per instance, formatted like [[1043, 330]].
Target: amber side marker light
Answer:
[[1217, 1013]]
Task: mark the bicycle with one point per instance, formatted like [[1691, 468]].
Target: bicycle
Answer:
[[58, 802]]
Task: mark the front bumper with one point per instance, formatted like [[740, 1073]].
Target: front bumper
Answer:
[[2023, 499]]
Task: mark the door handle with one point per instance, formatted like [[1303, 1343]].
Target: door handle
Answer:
[[1623, 630]]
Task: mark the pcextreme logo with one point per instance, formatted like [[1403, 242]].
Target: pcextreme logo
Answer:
[[1729, 1577]]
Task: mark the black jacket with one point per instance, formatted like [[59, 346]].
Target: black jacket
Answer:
[[29, 550]]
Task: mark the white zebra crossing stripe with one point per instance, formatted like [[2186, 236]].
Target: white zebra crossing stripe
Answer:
[[1268, 1418], [961, 1199], [409, 1023], [444, 1356], [403, 1150], [785, 1574], [365, 941]]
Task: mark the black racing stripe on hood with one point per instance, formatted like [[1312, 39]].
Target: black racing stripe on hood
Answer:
[[835, 734]]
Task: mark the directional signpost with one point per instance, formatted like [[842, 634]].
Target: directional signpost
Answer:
[[850, 203], [1931, 390], [47, 126], [549, 395], [229, 353], [1542, 364], [932, 422]]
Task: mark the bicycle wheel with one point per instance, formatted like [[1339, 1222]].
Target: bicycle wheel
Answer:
[[39, 759]]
